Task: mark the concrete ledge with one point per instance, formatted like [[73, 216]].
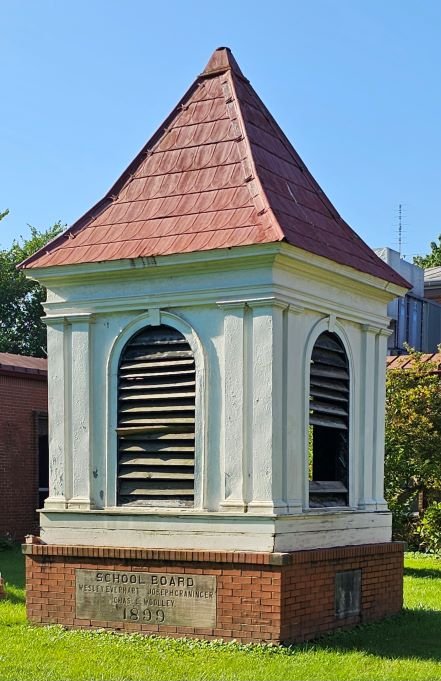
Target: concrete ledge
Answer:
[[248, 558], [230, 557]]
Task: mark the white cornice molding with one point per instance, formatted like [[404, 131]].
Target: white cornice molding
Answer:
[[66, 318], [181, 264], [307, 302], [54, 320], [371, 328], [144, 301], [322, 269], [261, 301], [270, 301], [269, 256], [231, 304], [81, 318], [385, 332], [298, 303], [249, 257]]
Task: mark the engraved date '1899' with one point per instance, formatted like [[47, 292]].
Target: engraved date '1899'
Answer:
[[144, 615], [146, 597]]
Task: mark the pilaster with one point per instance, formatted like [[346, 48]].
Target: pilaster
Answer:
[[367, 422], [58, 380], [267, 419], [293, 422], [379, 416], [81, 415], [235, 469]]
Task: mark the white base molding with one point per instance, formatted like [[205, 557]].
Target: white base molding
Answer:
[[214, 531]]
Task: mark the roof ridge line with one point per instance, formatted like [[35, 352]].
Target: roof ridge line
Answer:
[[298, 160], [273, 223]]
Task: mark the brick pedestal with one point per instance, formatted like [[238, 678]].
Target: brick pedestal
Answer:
[[269, 597]]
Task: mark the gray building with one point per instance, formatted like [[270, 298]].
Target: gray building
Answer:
[[414, 319], [432, 284]]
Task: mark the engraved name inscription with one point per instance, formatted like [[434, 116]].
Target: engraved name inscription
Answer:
[[146, 597]]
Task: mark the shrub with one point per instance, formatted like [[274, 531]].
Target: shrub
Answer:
[[413, 442], [430, 528]]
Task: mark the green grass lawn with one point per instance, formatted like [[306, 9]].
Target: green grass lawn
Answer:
[[407, 646]]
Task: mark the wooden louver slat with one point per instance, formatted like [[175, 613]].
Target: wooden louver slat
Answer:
[[156, 420], [329, 385]]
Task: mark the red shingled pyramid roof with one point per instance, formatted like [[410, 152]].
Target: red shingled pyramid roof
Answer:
[[219, 173]]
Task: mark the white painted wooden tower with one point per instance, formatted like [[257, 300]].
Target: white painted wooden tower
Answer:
[[216, 346]]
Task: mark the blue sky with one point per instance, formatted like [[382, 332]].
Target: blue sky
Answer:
[[355, 85]]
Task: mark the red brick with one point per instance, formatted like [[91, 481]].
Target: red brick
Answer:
[[22, 397], [287, 603]]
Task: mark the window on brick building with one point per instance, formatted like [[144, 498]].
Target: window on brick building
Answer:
[[329, 423], [156, 419]]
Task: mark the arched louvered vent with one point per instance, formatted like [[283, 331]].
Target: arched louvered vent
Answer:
[[329, 383], [156, 419], [329, 422]]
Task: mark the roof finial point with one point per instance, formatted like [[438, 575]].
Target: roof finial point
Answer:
[[222, 60]]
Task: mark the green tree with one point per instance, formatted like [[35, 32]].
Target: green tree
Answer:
[[432, 259], [413, 439], [21, 329]]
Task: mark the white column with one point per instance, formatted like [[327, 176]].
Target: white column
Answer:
[[81, 413], [367, 421], [267, 421], [235, 399], [58, 377], [379, 416], [294, 422]]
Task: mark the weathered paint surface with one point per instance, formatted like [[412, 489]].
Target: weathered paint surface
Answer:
[[251, 318], [216, 531]]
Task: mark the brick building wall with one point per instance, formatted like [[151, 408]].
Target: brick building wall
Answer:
[[23, 395], [267, 597]]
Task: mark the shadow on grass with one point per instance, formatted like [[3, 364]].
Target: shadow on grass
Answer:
[[12, 569], [415, 633], [422, 573], [412, 634]]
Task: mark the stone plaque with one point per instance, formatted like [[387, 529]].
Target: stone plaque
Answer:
[[146, 597]]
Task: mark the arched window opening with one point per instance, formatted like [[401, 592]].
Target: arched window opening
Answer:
[[156, 419], [329, 423]]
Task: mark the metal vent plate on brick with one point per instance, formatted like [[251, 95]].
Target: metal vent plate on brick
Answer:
[[156, 420]]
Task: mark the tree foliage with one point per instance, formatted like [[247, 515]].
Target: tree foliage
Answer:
[[413, 439], [429, 529], [432, 259], [21, 329]]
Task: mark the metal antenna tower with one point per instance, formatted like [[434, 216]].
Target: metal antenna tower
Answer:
[[401, 229]]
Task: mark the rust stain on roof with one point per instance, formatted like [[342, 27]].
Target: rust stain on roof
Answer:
[[219, 173]]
